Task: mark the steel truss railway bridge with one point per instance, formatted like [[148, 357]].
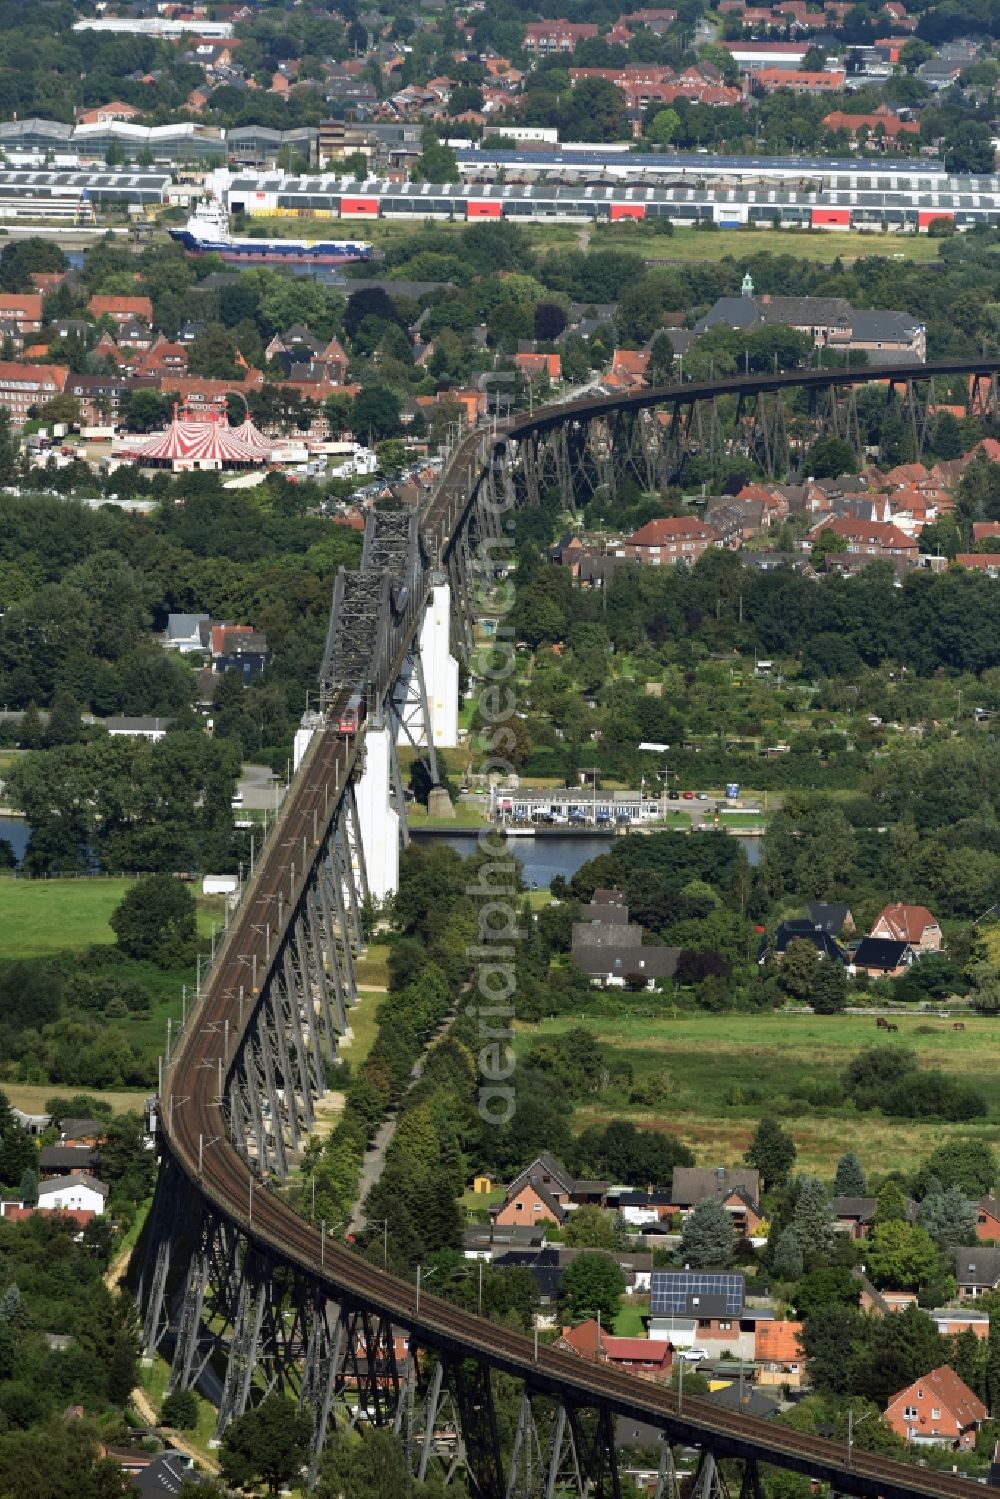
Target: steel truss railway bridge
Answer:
[[239, 1292]]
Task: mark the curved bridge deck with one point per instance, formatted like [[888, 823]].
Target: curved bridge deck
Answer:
[[193, 1113]]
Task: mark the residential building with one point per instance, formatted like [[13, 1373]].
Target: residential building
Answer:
[[647, 1358], [696, 1308], [661, 543], [802, 929], [778, 1352], [868, 539], [980, 562], [881, 957], [24, 387], [136, 728], [122, 310], [184, 632], [911, 924], [836, 918], [977, 1271], [531, 1203], [622, 965], [556, 36], [950, 1321], [77, 1192], [65, 1160], [880, 128], [799, 81], [23, 309], [938, 1409], [988, 1219], [737, 1189]]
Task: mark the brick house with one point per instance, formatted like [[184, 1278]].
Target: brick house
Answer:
[[988, 1219], [556, 36], [23, 309], [913, 925], [648, 1358], [530, 1204], [938, 1409], [122, 310], [23, 386], [869, 538], [778, 1352], [661, 543], [800, 82]]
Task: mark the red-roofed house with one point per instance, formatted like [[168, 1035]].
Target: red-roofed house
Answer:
[[549, 365], [981, 529], [980, 562], [628, 369], [771, 79], [880, 124], [869, 538], [103, 114], [556, 36], [649, 1358], [24, 309], [938, 1409], [531, 1204], [660, 543], [122, 309], [25, 385], [778, 1351], [911, 924]]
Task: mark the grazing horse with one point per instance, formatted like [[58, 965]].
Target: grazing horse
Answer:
[[881, 1023], [959, 1025], [892, 1027]]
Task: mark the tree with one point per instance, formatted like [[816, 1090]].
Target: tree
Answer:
[[798, 967], [825, 544], [156, 920], [589, 1228], [64, 725], [772, 1152], [828, 994], [368, 1465], [375, 413], [550, 320], [828, 1340], [829, 1285], [829, 457], [901, 1255], [850, 1179], [592, 1283], [969, 1164], [948, 1216], [812, 1218], [787, 1262], [664, 126], [890, 1205], [707, 1236], [268, 1444], [180, 1410]]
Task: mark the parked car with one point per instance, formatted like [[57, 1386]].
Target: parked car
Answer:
[[689, 796]]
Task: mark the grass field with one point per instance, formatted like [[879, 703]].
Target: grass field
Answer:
[[32, 1097], [708, 1061], [682, 245], [693, 244], [48, 916]]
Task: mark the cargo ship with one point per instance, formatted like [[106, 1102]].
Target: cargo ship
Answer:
[[207, 232]]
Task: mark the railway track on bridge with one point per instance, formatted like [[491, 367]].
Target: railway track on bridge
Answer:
[[196, 1135]]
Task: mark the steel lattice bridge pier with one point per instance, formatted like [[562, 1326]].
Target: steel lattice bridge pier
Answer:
[[239, 1292]]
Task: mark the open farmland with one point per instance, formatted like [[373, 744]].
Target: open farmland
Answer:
[[724, 1071]]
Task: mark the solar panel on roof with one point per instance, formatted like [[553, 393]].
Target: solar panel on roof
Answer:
[[674, 1292]]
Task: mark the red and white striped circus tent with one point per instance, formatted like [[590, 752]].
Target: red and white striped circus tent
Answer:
[[202, 441]]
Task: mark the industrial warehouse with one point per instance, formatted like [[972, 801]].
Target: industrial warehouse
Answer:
[[728, 191], [847, 198]]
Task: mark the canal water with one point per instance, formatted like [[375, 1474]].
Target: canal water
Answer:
[[546, 855]]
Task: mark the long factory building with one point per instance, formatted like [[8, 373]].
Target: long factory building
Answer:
[[851, 195], [854, 198]]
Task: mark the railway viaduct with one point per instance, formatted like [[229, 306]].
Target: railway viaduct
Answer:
[[239, 1292]]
